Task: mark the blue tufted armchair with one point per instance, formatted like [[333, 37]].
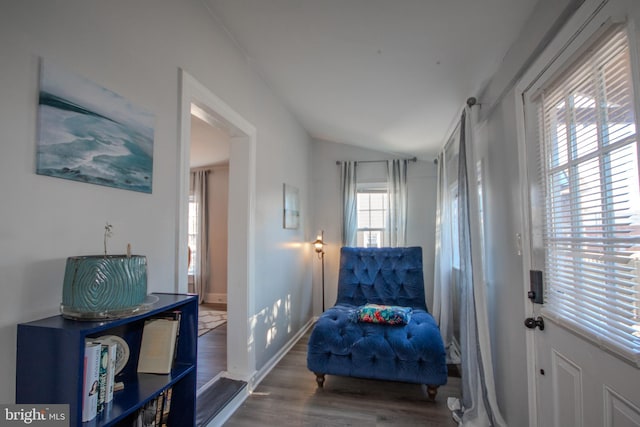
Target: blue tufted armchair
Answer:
[[342, 344]]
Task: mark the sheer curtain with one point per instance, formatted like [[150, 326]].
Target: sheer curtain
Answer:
[[349, 191], [478, 406], [444, 290], [397, 191], [198, 187]]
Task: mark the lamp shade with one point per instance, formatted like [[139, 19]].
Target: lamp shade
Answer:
[[318, 245]]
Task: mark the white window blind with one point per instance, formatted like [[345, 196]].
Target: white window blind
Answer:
[[589, 165]]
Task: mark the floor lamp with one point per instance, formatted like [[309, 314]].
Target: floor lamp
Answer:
[[319, 245]]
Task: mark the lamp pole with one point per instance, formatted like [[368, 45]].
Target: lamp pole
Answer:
[[322, 255]]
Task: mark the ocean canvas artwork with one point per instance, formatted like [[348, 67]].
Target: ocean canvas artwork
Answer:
[[90, 134]]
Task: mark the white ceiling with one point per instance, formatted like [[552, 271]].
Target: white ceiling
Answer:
[[390, 75]]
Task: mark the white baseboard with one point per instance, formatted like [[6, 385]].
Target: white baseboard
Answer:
[[262, 373], [216, 298]]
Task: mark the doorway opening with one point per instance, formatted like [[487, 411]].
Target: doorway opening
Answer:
[[207, 240], [241, 135]]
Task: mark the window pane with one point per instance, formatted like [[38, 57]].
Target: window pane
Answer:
[[377, 219], [620, 122], [377, 201], [558, 134], [589, 198], [363, 219], [363, 201], [625, 191], [370, 239]]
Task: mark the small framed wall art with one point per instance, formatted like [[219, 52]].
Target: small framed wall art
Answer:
[[291, 216]]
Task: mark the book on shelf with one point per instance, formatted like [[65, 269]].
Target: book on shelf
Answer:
[[158, 347], [166, 407], [162, 409], [102, 376], [155, 412], [91, 374], [111, 348], [175, 315]]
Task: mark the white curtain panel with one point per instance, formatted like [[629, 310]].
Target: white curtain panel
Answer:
[[349, 191], [198, 186], [397, 199], [444, 285], [478, 406]]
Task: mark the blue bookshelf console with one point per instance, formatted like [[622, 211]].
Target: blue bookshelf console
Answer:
[[50, 359]]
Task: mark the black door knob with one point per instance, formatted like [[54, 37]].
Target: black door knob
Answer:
[[532, 323]]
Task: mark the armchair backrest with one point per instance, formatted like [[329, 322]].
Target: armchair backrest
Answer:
[[389, 276]]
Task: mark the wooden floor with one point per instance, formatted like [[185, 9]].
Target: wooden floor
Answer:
[[212, 354], [288, 396]]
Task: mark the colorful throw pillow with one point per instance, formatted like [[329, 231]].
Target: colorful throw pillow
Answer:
[[385, 314]]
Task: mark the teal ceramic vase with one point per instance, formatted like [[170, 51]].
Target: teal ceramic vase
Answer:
[[99, 286]]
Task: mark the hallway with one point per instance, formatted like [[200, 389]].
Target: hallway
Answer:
[[212, 354]]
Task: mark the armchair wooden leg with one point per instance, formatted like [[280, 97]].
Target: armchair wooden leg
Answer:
[[432, 390], [320, 379]]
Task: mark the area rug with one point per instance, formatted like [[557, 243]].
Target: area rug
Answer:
[[209, 319]]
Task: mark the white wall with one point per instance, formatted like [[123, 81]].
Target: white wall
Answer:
[[422, 180], [136, 49]]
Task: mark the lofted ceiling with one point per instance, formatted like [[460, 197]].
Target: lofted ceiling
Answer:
[[389, 75]]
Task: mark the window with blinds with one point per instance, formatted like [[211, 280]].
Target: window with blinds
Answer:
[[589, 163], [371, 205]]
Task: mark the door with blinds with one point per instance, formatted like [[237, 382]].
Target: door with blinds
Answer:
[[582, 154]]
